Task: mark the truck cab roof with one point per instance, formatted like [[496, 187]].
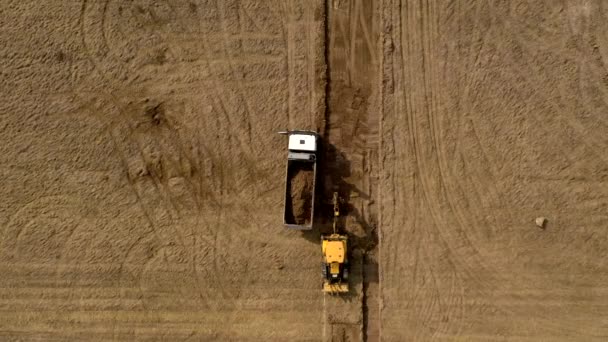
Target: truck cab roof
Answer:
[[303, 142]]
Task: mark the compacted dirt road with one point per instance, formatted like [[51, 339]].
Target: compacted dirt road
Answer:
[[142, 178]]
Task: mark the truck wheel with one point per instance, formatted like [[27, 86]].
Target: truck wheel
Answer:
[[324, 271], [345, 274]]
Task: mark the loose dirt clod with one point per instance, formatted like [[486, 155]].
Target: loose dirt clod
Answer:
[[541, 222], [301, 195], [155, 112]]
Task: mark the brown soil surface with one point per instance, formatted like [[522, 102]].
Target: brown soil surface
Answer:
[[301, 184], [493, 114], [142, 189], [351, 141]]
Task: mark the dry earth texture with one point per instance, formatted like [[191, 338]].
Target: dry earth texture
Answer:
[[494, 113], [143, 183], [141, 192]]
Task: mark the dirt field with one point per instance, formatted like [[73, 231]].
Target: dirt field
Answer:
[[142, 178], [494, 113], [141, 185]]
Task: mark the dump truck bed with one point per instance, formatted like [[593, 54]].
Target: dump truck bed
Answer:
[[300, 182], [300, 193]]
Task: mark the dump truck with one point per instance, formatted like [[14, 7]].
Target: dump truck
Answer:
[[335, 257], [300, 179]]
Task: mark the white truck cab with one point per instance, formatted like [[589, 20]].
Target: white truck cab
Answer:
[[302, 142]]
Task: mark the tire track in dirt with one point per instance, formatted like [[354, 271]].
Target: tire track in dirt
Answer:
[[310, 72], [231, 69], [220, 218], [245, 147], [450, 184], [88, 52], [603, 49], [530, 77], [147, 50], [102, 50], [158, 186], [175, 227], [431, 82], [479, 221], [423, 105], [428, 128], [104, 15], [107, 131], [290, 64], [59, 208], [592, 89], [240, 94], [432, 165], [568, 118], [219, 104], [468, 94], [565, 116], [174, 137], [389, 195], [426, 310], [223, 286], [591, 53]]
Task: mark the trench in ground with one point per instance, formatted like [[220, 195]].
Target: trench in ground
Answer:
[[351, 137]]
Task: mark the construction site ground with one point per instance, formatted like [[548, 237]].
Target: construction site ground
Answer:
[[142, 179]]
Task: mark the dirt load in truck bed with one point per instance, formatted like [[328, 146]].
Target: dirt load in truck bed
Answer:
[[300, 192]]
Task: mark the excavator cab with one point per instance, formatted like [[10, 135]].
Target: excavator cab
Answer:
[[335, 263]]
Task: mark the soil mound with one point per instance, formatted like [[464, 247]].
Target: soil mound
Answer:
[[301, 188]]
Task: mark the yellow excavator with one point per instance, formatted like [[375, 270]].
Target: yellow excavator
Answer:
[[335, 257]]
